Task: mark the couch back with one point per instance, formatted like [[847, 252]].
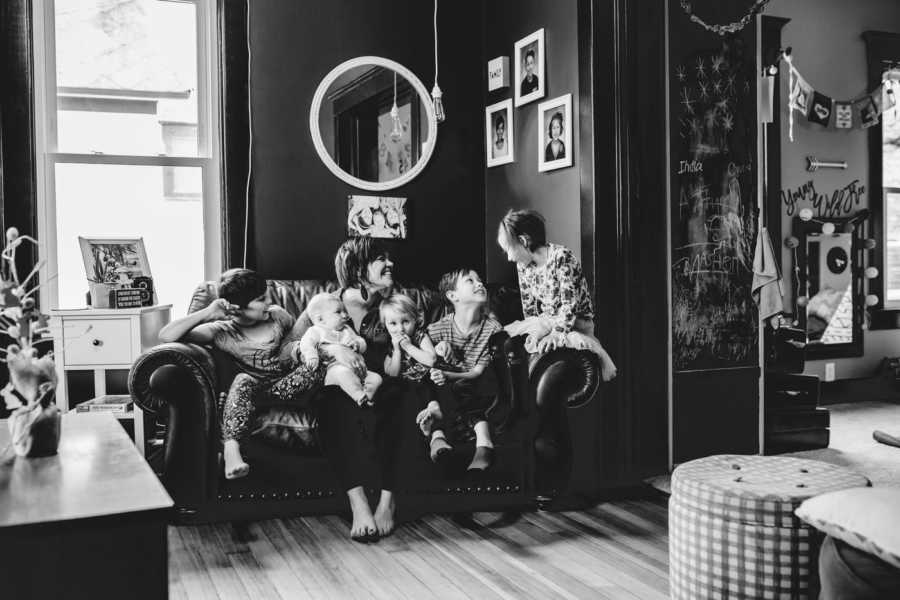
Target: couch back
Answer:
[[294, 294]]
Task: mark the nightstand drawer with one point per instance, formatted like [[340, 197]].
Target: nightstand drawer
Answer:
[[108, 341]]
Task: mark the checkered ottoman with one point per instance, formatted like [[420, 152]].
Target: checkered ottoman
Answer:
[[732, 529]]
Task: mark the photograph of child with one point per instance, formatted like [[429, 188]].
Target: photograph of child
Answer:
[[529, 68], [555, 131], [499, 147]]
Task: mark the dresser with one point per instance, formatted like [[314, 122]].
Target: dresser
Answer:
[[89, 522], [101, 340]]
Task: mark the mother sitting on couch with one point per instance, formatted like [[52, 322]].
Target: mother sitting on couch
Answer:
[[364, 273]]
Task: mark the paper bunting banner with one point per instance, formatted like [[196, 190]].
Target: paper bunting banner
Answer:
[[820, 111], [801, 94], [862, 112], [867, 110], [843, 115]]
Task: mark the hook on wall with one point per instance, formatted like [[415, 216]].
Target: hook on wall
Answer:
[[814, 164]]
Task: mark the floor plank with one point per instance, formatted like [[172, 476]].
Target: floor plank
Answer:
[[614, 551]]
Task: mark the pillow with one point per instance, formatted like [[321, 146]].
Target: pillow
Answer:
[[865, 518], [287, 427]]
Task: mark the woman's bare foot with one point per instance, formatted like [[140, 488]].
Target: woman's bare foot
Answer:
[[235, 467], [384, 513], [363, 528]]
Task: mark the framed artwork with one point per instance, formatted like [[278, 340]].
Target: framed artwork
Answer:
[[530, 78], [499, 147], [371, 216], [555, 133], [114, 260]]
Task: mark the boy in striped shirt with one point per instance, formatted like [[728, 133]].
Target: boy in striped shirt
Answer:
[[461, 344]]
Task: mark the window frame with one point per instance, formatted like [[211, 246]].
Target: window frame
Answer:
[[880, 47], [47, 156]]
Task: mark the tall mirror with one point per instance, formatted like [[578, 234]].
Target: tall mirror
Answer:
[[830, 286], [372, 123]]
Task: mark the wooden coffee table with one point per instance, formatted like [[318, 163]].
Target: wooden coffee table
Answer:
[[87, 523]]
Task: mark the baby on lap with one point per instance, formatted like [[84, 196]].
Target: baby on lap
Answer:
[[331, 325]]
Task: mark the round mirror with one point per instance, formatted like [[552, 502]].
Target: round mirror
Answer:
[[357, 132]]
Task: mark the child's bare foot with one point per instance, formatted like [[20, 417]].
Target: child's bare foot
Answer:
[[482, 459], [384, 513], [427, 416], [235, 467], [363, 528], [362, 399]]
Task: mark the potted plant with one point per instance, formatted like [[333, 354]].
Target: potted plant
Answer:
[[30, 394]]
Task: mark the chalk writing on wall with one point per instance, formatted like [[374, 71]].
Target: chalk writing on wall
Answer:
[[842, 202], [714, 215]]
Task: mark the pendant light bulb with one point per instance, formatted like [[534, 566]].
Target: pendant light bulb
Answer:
[[436, 95], [396, 125]]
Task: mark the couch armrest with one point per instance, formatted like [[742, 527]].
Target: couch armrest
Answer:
[[572, 376], [178, 383]]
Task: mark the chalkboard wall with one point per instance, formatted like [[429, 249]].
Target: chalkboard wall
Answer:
[[714, 193]]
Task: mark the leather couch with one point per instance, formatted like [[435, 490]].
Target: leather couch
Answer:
[[181, 388]]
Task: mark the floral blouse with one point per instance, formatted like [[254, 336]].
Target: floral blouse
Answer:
[[557, 290]]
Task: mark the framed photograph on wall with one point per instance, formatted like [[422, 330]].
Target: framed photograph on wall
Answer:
[[555, 133], [529, 61], [371, 216], [498, 121], [114, 260]]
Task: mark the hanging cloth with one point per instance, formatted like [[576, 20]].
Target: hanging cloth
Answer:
[[767, 289]]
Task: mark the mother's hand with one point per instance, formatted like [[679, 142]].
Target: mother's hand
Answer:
[[345, 356]]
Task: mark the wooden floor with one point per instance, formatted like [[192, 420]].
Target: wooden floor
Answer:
[[616, 550]]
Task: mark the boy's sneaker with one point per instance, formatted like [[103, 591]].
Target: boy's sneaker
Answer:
[[440, 450], [482, 459]]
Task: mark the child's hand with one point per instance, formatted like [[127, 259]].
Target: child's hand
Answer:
[[311, 361], [296, 355], [442, 349], [437, 376], [220, 308]]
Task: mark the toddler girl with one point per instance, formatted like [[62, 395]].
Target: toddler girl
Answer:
[[411, 357]]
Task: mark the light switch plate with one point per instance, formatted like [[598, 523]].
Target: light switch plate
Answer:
[[829, 371]]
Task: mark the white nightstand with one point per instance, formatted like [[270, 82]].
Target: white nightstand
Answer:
[[102, 339]]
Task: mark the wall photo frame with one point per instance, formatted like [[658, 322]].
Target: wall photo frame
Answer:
[[372, 216], [530, 80], [555, 133], [498, 127]]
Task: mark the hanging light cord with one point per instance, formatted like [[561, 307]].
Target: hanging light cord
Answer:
[[435, 44], [249, 146]]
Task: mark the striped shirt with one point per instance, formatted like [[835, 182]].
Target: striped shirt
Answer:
[[468, 351]]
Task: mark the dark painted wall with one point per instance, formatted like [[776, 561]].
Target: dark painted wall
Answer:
[[299, 208], [556, 194]]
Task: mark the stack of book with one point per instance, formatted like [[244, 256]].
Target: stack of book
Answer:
[[112, 403]]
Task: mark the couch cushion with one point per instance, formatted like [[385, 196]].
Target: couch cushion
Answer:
[[864, 517]]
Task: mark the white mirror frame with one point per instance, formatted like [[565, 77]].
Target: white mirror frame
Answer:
[[424, 96]]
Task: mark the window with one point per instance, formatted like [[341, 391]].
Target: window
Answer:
[[127, 138], [890, 153], [883, 53]]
